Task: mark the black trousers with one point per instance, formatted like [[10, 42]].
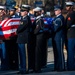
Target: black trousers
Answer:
[[31, 50], [40, 51], [12, 54]]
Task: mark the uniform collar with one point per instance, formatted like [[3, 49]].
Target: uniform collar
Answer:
[[28, 14], [13, 16], [24, 16], [38, 17], [58, 15], [42, 15]]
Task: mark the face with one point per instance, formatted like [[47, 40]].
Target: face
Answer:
[[11, 12], [42, 11], [2, 12], [18, 10], [68, 8], [37, 13], [57, 12], [24, 13]]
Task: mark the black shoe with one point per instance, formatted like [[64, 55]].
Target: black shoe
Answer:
[[53, 70], [22, 72], [4, 69], [31, 72], [60, 70], [37, 71]]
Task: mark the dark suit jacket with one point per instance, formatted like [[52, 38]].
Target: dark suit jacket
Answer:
[[24, 30], [38, 25]]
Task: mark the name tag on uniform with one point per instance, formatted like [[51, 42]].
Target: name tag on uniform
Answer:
[[21, 23]]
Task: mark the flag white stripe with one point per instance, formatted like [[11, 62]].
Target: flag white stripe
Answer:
[[6, 24], [16, 19], [8, 31], [2, 22], [13, 23]]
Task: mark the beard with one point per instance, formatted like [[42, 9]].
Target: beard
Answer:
[[36, 14]]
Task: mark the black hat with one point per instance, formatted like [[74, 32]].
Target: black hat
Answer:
[[57, 7], [12, 8]]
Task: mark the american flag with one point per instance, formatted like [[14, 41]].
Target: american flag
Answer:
[[8, 27]]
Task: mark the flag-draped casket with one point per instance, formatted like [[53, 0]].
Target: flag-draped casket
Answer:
[[8, 27]]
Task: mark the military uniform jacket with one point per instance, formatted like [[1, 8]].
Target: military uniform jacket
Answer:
[[38, 25], [70, 22], [24, 30], [58, 26]]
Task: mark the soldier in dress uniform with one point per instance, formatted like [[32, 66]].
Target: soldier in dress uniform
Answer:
[[3, 54], [40, 41], [17, 10], [12, 13], [11, 45], [22, 39], [70, 22], [58, 39]]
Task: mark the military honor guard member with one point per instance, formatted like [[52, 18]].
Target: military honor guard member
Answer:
[[58, 39], [22, 39], [3, 53], [11, 46], [40, 41], [70, 22]]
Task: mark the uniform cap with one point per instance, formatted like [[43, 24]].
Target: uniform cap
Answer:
[[57, 7], [25, 7], [37, 9], [12, 8], [2, 7], [69, 3]]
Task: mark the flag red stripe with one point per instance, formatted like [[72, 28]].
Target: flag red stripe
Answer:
[[5, 36], [8, 28], [11, 21], [4, 23]]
